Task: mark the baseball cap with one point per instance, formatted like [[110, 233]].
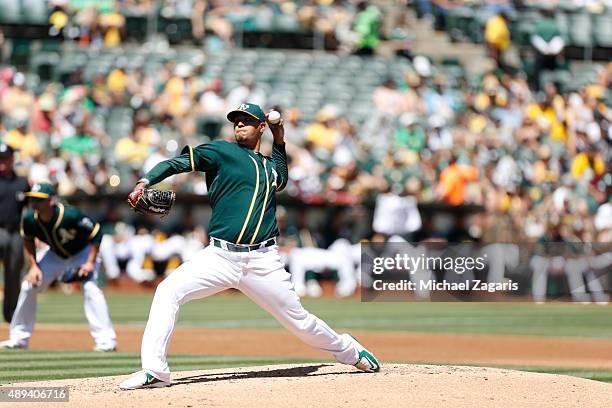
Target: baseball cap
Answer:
[[6, 150], [183, 70], [41, 191], [250, 109]]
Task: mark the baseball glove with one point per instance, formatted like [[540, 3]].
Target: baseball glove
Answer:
[[151, 201], [72, 275]]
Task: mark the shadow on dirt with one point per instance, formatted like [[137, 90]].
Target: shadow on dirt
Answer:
[[301, 371]]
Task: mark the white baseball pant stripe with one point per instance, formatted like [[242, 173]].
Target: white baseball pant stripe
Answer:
[[261, 276], [96, 310]]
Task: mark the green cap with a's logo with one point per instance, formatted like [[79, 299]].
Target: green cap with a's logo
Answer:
[[250, 109], [41, 191]]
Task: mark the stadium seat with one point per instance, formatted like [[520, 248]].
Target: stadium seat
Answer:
[[152, 68], [11, 12], [464, 18], [135, 25], [43, 64], [563, 23], [211, 127], [602, 29], [176, 29], [580, 30], [119, 122], [608, 98], [561, 78], [20, 53], [35, 11], [98, 121], [476, 27], [285, 23], [523, 31]]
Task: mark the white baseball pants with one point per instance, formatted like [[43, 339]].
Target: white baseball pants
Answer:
[[96, 310], [261, 276], [317, 259], [576, 271]]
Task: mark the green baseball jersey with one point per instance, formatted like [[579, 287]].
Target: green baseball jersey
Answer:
[[241, 185], [547, 29], [68, 232]]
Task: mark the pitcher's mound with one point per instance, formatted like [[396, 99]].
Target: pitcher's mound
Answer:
[[334, 385]]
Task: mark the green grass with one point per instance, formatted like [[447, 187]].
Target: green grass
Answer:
[[590, 374], [38, 365], [560, 319], [597, 375]]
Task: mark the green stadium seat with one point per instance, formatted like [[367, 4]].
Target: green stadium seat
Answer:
[[453, 24], [43, 64], [563, 23], [523, 32], [152, 68], [586, 73], [35, 11], [209, 126], [580, 30], [554, 77], [135, 25], [602, 29], [32, 80], [608, 98], [477, 25], [287, 24], [20, 53], [51, 45], [98, 119], [10, 12], [174, 28], [460, 28], [563, 77]]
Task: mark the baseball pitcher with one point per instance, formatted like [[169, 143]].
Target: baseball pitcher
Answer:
[[242, 254]]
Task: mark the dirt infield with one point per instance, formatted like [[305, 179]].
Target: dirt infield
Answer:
[[389, 346], [334, 385]]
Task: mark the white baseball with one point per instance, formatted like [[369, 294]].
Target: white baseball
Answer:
[[274, 117]]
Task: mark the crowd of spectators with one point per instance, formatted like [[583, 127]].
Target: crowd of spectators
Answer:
[[540, 159], [437, 10], [356, 24]]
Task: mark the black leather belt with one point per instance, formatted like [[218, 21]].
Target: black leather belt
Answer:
[[219, 243]]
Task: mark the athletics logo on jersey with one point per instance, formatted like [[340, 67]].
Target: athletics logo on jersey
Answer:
[[66, 235]]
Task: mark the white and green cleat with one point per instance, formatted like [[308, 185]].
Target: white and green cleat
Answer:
[[12, 345], [105, 349], [366, 362], [143, 379]]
